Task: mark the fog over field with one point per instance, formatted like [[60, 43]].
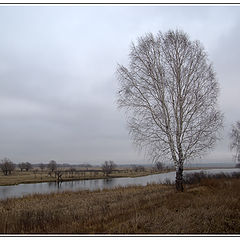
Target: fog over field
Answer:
[[58, 83]]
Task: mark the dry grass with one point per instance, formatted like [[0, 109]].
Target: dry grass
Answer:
[[18, 177], [211, 206]]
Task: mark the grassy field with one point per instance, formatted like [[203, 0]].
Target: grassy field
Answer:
[[211, 206], [18, 177]]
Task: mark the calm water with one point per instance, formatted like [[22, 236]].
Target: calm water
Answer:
[[24, 189]]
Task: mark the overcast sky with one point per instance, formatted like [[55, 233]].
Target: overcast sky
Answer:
[[58, 84]]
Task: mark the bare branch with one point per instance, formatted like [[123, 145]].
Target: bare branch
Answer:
[[169, 92]]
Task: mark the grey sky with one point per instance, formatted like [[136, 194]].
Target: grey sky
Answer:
[[57, 82]]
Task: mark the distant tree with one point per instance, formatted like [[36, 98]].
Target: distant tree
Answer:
[[72, 170], [11, 167], [7, 166], [159, 166], [85, 165], [58, 175], [28, 166], [108, 167], [138, 168], [21, 166], [52, 165], [169, 91], [25, 165], [134, 168], [42, 166]]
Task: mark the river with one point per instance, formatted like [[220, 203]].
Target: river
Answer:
[[94, 184]]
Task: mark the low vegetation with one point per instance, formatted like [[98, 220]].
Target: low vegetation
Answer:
[[209, 205], [199, 177]]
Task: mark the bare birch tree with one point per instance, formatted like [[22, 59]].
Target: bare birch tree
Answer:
[[235, 140], [169, 92]]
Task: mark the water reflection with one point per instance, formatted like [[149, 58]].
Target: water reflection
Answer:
[[109, 182], [54, 185], [23, 189]]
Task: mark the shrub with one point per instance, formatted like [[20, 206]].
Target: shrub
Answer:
[[197, 177]]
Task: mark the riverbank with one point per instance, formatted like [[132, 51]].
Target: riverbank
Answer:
[[19, 177], [210, 206]]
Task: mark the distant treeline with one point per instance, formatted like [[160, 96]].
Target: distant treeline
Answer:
[[65, 165]]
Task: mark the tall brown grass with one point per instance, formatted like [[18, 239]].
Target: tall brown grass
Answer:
[[210, 206]]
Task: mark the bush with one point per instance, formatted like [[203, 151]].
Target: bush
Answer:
[[197, 177]]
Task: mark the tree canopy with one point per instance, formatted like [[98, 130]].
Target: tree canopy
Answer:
[[169, 92]]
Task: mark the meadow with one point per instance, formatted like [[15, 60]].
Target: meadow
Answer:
[[207, 206]]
